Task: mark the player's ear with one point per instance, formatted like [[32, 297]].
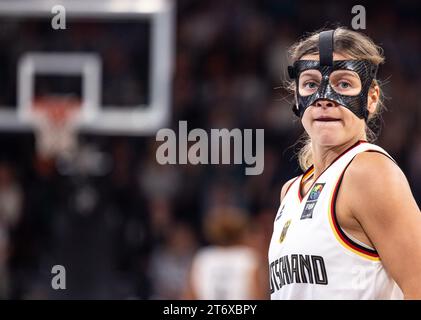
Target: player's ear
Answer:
[[373, 98]]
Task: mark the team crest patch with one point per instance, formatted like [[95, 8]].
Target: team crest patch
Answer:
[[311, 201], [284, 231]]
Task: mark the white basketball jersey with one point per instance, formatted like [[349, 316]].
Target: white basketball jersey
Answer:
[[224, 273], [311, 257]]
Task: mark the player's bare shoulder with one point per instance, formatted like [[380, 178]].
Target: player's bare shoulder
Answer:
[[370, 170], [373, 176], [286, 187]]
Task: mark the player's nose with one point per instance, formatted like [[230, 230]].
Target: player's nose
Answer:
[[324, 103]]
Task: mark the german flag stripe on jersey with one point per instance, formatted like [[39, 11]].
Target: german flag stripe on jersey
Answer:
[[305, 176], [308, 173], [338, 232]]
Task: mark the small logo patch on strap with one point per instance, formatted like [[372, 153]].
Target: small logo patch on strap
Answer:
[[280, 213]]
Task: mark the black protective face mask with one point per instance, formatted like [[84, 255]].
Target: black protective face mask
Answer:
[[365, 69]]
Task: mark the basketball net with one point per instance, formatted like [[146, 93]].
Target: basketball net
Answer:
[[55, 119]]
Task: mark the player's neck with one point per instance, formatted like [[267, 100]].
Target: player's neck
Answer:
[[323, 156]]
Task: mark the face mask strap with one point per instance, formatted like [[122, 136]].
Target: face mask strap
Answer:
[[326, 48]]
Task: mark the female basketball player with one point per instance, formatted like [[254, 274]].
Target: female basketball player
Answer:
[[349, 227]]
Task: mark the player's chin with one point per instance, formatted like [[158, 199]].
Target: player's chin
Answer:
[[328, 127], [326, 137]]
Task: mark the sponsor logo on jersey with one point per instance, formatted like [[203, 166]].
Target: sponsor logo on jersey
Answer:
[[311, 201], [284, 231], [279, 213]]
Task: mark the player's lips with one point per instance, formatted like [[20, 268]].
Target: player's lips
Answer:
[[326, 119]]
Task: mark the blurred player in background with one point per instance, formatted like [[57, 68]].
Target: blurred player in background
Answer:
[[348, 227], [229, 268]]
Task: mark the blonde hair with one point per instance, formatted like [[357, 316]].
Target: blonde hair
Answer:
[[355, 45]]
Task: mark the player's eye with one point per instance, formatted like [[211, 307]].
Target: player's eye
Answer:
[[344, 85], [310, 85]]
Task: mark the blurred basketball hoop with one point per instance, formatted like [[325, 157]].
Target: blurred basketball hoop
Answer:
[[125, 85], [55, 119]]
